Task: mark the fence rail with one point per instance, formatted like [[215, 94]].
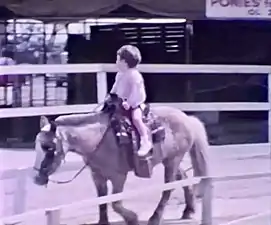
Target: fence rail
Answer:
[[145, 68], [85, 108], [101, 71], [53, 215]]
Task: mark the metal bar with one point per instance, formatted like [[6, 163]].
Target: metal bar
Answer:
[[269, 101], [20, 193], [31, 93], [101, 84], [144, 68]]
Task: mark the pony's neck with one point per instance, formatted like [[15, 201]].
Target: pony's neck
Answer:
[[76, 135], [80, 119]]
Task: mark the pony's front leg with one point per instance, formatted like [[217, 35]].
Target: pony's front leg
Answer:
[[129, 216], [101, 187]]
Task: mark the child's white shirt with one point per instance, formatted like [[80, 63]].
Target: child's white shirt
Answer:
[[130, 87]]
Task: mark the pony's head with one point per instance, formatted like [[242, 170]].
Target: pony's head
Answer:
[[113, 104], [49, 152]]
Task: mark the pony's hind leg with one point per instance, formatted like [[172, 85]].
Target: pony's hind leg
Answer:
[[170, 176], [101, 186], [129, 216], [188, 195]]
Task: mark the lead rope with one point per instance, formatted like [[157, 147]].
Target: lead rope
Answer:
[[70, 180]]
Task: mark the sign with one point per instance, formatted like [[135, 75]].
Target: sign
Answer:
[[238, 9]]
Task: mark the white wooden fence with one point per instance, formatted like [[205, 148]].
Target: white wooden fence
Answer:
[[101, 70], [53, 215]]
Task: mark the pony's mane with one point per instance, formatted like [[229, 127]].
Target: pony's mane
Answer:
[[78, 119]]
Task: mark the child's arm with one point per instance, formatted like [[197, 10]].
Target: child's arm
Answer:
[[115, 85], [137, 91]]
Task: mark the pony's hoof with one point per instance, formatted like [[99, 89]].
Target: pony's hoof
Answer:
[[188, 213], [154, 221], [100, 223], [133, 222], [187, 216], [103, 223]]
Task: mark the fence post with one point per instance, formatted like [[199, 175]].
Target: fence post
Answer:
[[269, 111], [19, 199], [101, 85], [207, 199], [53, 216]]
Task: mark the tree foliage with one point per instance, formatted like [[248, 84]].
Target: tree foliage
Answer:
[[34, 41]]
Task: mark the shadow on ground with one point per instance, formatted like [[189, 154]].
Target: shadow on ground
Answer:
[[165, 222]]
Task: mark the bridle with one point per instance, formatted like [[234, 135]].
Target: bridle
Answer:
[[50, 153]]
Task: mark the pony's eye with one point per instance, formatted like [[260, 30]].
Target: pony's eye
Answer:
[[55, 140], [47, 148]]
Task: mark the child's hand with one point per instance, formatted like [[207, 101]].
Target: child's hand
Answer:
[[125, 105]]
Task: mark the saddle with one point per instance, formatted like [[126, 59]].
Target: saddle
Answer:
[[127, 134], [127, 137]]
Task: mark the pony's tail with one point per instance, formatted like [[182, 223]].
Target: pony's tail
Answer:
[[199, 152]]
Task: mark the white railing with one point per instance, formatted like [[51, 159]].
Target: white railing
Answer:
[[21, 176], [101, 70], [53, 215]]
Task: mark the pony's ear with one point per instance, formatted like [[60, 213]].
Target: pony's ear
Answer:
[[44, 121]]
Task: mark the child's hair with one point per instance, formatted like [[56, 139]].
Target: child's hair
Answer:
[[130, 54]]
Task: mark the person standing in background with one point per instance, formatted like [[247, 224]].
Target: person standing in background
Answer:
[[7, 59]]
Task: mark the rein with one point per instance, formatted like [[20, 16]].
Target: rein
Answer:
[[72, 179]]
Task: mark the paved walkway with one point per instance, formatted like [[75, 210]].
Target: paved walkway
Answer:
[[257, 219]]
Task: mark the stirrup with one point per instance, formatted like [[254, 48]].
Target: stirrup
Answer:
[[143, 152]]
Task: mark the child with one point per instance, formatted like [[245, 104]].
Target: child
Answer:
[[129, 86]]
